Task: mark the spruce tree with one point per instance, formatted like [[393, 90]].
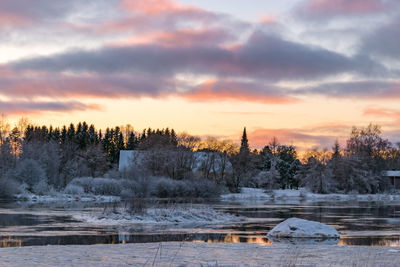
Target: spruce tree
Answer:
[[132, 143], [244, 143]]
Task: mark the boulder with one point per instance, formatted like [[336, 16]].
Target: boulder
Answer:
[[299, 228]]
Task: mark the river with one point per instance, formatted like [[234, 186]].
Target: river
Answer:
[[360, 223]]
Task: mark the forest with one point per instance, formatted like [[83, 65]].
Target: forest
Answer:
[[79, 159]]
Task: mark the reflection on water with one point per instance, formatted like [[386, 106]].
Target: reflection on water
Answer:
[[128, 238], [10, 242], [304, 241], [231, 238], [388, 241]]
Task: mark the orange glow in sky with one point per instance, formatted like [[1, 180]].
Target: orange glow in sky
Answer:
[[302, 71]]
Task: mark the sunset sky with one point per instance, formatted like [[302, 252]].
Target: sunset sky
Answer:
[[304, 71]]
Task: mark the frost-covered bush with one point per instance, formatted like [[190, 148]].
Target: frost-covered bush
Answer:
[[106, 186], [30, 172], [169, 188], [128, 189], [73, 189], [8, 188], [166, 188], [144, 186], [41, 188], [204, 188], [83, 182], [113, 174], [97, 186]]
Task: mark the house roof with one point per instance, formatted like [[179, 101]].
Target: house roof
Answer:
[[393, 173]]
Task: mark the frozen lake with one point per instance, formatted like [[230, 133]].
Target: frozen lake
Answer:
[[360, 223]]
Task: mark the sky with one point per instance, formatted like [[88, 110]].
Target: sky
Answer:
[[304, 71]]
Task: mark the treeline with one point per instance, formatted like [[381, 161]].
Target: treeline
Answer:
[[71, 151], [359, 167], [42, 159]]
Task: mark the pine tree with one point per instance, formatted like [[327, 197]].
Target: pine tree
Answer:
[[71, 133], [336, 150], [132, 143], [173, 138], [63, 134], [244, 143]]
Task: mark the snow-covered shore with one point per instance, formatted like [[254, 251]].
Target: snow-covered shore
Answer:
[[199, 254], [255, 194], [57, 197]]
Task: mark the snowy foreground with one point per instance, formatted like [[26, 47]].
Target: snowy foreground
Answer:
[[254, 194], [199, 254]]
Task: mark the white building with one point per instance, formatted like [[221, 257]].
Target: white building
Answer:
[[394, 177]]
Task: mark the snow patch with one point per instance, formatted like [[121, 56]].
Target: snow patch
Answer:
[[299, 228], [175, 215]]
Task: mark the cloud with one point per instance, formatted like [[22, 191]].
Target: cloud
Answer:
[[34, 84], [25, 12], [214, 90], [183, 37], [328, 9], [31, 107], [14, 84], [263, 56], [156, 15], [382, 112], [356, 89], [383, 41], [244, 72]]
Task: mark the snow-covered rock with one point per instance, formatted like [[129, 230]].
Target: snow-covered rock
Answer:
[[299, 228]]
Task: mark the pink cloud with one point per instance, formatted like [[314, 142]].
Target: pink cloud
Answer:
[[214, 90], [329, 8], [151, 7], [261, 137], [151, 16], [382, 112], [268, 19], [182, 37], [12, 19]]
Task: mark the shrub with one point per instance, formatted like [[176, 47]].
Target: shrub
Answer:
[[97, 186], [74, 190], [105, 186], [8, 188], [169, 188], [30, 172], [41, 188], [83, 182], [144, 186]]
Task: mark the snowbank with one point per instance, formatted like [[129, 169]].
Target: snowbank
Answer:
[[299, 228], [302, 194], [175, 215]]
